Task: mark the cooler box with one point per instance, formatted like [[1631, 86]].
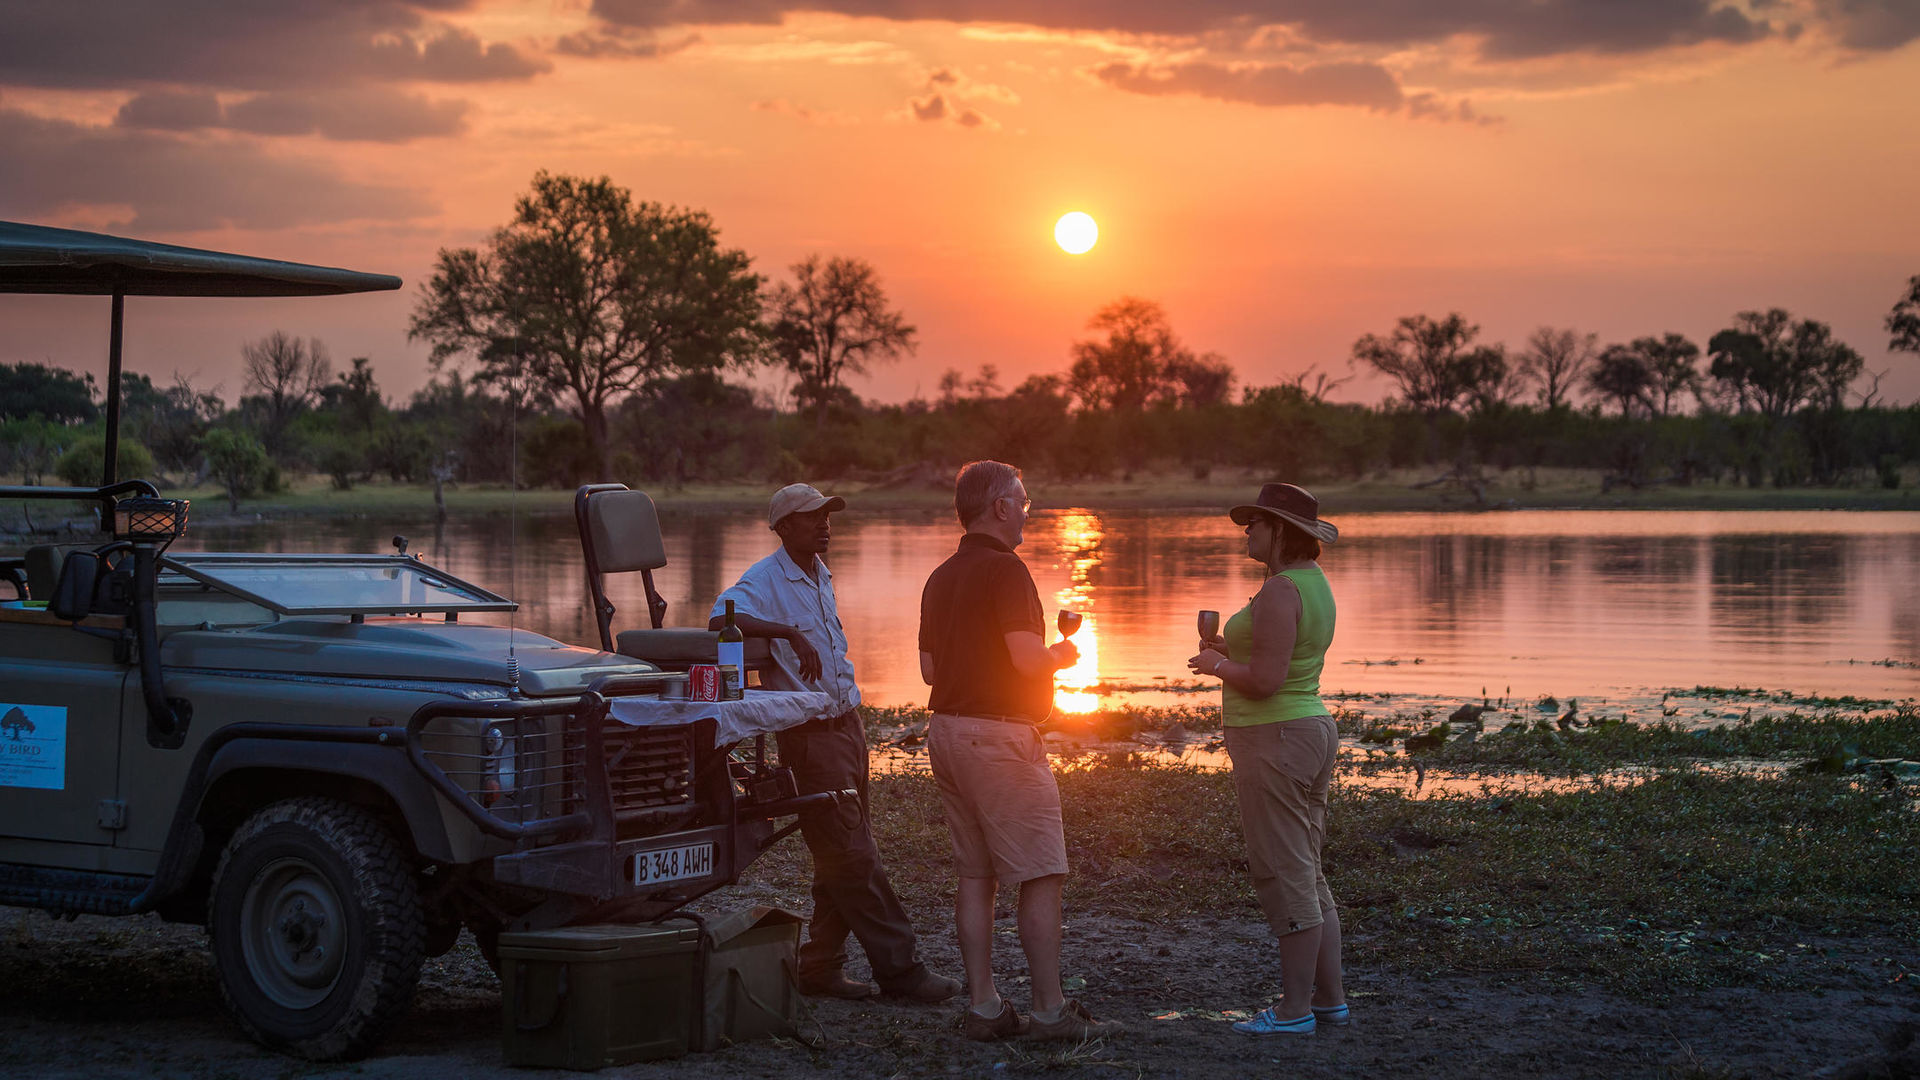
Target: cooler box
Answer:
[[750, 991], [585, 997]]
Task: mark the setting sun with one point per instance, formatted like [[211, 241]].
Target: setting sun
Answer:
[[1076, 233]]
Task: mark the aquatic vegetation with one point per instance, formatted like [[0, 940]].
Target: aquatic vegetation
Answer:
[[1689, 877]]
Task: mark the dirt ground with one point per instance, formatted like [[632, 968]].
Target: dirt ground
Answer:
[[107, 998]]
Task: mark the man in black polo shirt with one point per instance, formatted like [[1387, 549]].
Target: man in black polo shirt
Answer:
[[983, 650]]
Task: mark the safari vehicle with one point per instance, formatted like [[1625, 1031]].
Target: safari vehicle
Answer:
[[314, 756]]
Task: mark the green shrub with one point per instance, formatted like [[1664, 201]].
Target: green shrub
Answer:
[[83, 464], [343, 461], [240, 463], [1889, 470]]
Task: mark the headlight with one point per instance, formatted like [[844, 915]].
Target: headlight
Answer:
[[500, 771]]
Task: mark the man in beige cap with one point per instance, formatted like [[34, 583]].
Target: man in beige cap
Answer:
[[788, 597]]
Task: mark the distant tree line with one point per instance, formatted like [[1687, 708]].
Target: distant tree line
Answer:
[[595, 337]]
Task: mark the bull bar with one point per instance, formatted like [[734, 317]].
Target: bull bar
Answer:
[[581, 852]]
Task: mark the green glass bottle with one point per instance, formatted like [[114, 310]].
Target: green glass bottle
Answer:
[[732, 659]]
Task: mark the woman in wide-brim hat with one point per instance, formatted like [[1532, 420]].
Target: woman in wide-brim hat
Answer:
[[1282, 742]]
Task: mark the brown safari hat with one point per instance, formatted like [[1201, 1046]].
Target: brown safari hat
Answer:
[[1289, 503]]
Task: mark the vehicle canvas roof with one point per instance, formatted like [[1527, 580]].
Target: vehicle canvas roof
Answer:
[[42, 259]]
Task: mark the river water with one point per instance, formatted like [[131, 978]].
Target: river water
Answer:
[[1613, 608]]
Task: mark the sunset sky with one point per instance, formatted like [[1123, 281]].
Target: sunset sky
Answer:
[[1282, 175]]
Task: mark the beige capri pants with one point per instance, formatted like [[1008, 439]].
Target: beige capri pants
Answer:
[[1281, 773]]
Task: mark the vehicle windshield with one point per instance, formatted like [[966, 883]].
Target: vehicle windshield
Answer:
[[332, 584]]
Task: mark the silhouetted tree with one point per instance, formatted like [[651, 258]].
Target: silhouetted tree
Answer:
[[1427, 359], [1669, 361], [1620, 374], [51, 393], [285, 374], [1557, 360], [1137, 362], [1487, 380], [587, 295], [1199, 381], [954, 385], [171, 422], [833, 319], [1903, 322], [1776, 366], [1309, 385], [355, 396]]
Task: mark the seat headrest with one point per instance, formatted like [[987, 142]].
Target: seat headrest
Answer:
[[43, 565], [625, 530]]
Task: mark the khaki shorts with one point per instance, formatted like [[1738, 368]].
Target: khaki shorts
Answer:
[[1001, 801], [1281, 772]]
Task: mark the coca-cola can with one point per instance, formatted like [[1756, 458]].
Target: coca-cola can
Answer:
[[703, 682]]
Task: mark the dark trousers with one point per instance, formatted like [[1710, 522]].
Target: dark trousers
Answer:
[[850, 889]]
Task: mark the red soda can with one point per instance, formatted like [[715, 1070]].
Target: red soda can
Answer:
[[703, 682]]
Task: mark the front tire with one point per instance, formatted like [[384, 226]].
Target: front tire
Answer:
[[317, 928]]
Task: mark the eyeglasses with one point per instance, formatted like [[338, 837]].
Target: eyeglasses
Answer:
[[1026, 502]]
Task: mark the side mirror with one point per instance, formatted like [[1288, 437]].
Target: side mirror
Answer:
[[73, 595]]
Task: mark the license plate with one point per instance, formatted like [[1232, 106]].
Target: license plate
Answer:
[[672, 864]]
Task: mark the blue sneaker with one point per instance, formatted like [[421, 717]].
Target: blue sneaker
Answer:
[[1336, 1015], [1265, 1023]]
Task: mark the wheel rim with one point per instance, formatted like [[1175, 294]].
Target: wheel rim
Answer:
[[293, 933]]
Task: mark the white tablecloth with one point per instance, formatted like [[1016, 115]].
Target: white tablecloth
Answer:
[[761, 712]]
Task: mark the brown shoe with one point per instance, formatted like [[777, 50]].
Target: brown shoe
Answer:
[[1076, 1024], [835, 984], [925, 989], [990, 1029]]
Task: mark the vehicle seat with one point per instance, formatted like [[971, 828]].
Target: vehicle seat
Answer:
[[43, 563], [620, 533], [89, 585], [14, 573]]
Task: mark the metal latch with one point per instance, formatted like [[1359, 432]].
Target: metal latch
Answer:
[[113, 814]]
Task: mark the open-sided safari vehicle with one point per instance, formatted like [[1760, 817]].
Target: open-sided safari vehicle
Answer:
[[313, 755]]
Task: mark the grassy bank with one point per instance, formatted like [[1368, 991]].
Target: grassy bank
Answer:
[[1392, 491], [1831, 737], [1691, 877]]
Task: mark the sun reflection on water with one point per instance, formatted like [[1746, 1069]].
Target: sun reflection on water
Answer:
[[1079, 535]]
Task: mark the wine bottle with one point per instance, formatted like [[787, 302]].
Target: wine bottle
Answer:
[[733, 659]]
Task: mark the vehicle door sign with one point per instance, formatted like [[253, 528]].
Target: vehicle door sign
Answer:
[[33, 746]]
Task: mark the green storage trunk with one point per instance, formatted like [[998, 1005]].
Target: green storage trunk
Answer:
[[586, 997], [750, 990]]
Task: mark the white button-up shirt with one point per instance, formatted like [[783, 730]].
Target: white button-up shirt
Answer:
[[777, 590]]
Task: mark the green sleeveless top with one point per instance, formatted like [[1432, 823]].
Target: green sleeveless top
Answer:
[[1300, 695]]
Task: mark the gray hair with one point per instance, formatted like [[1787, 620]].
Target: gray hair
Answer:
[[979, 484]]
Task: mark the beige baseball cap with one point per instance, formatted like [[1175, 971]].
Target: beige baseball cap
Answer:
[[798, 499]]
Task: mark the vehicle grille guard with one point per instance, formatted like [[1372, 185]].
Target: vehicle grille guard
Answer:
[[596, 820]]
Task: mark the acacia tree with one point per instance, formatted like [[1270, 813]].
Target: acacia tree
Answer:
[[1903, 322], [833, 319], [1621, 374], [588, 296], [1431, 361], [1139, 362], [1776, 366], [1557, 360], [1669, 361], [1488, 379]]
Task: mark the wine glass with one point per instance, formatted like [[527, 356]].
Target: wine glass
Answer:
[[1068, 621], [1209, 623]]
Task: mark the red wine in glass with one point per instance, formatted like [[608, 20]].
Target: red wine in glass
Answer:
[[1068, 621], [1209, 623]]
